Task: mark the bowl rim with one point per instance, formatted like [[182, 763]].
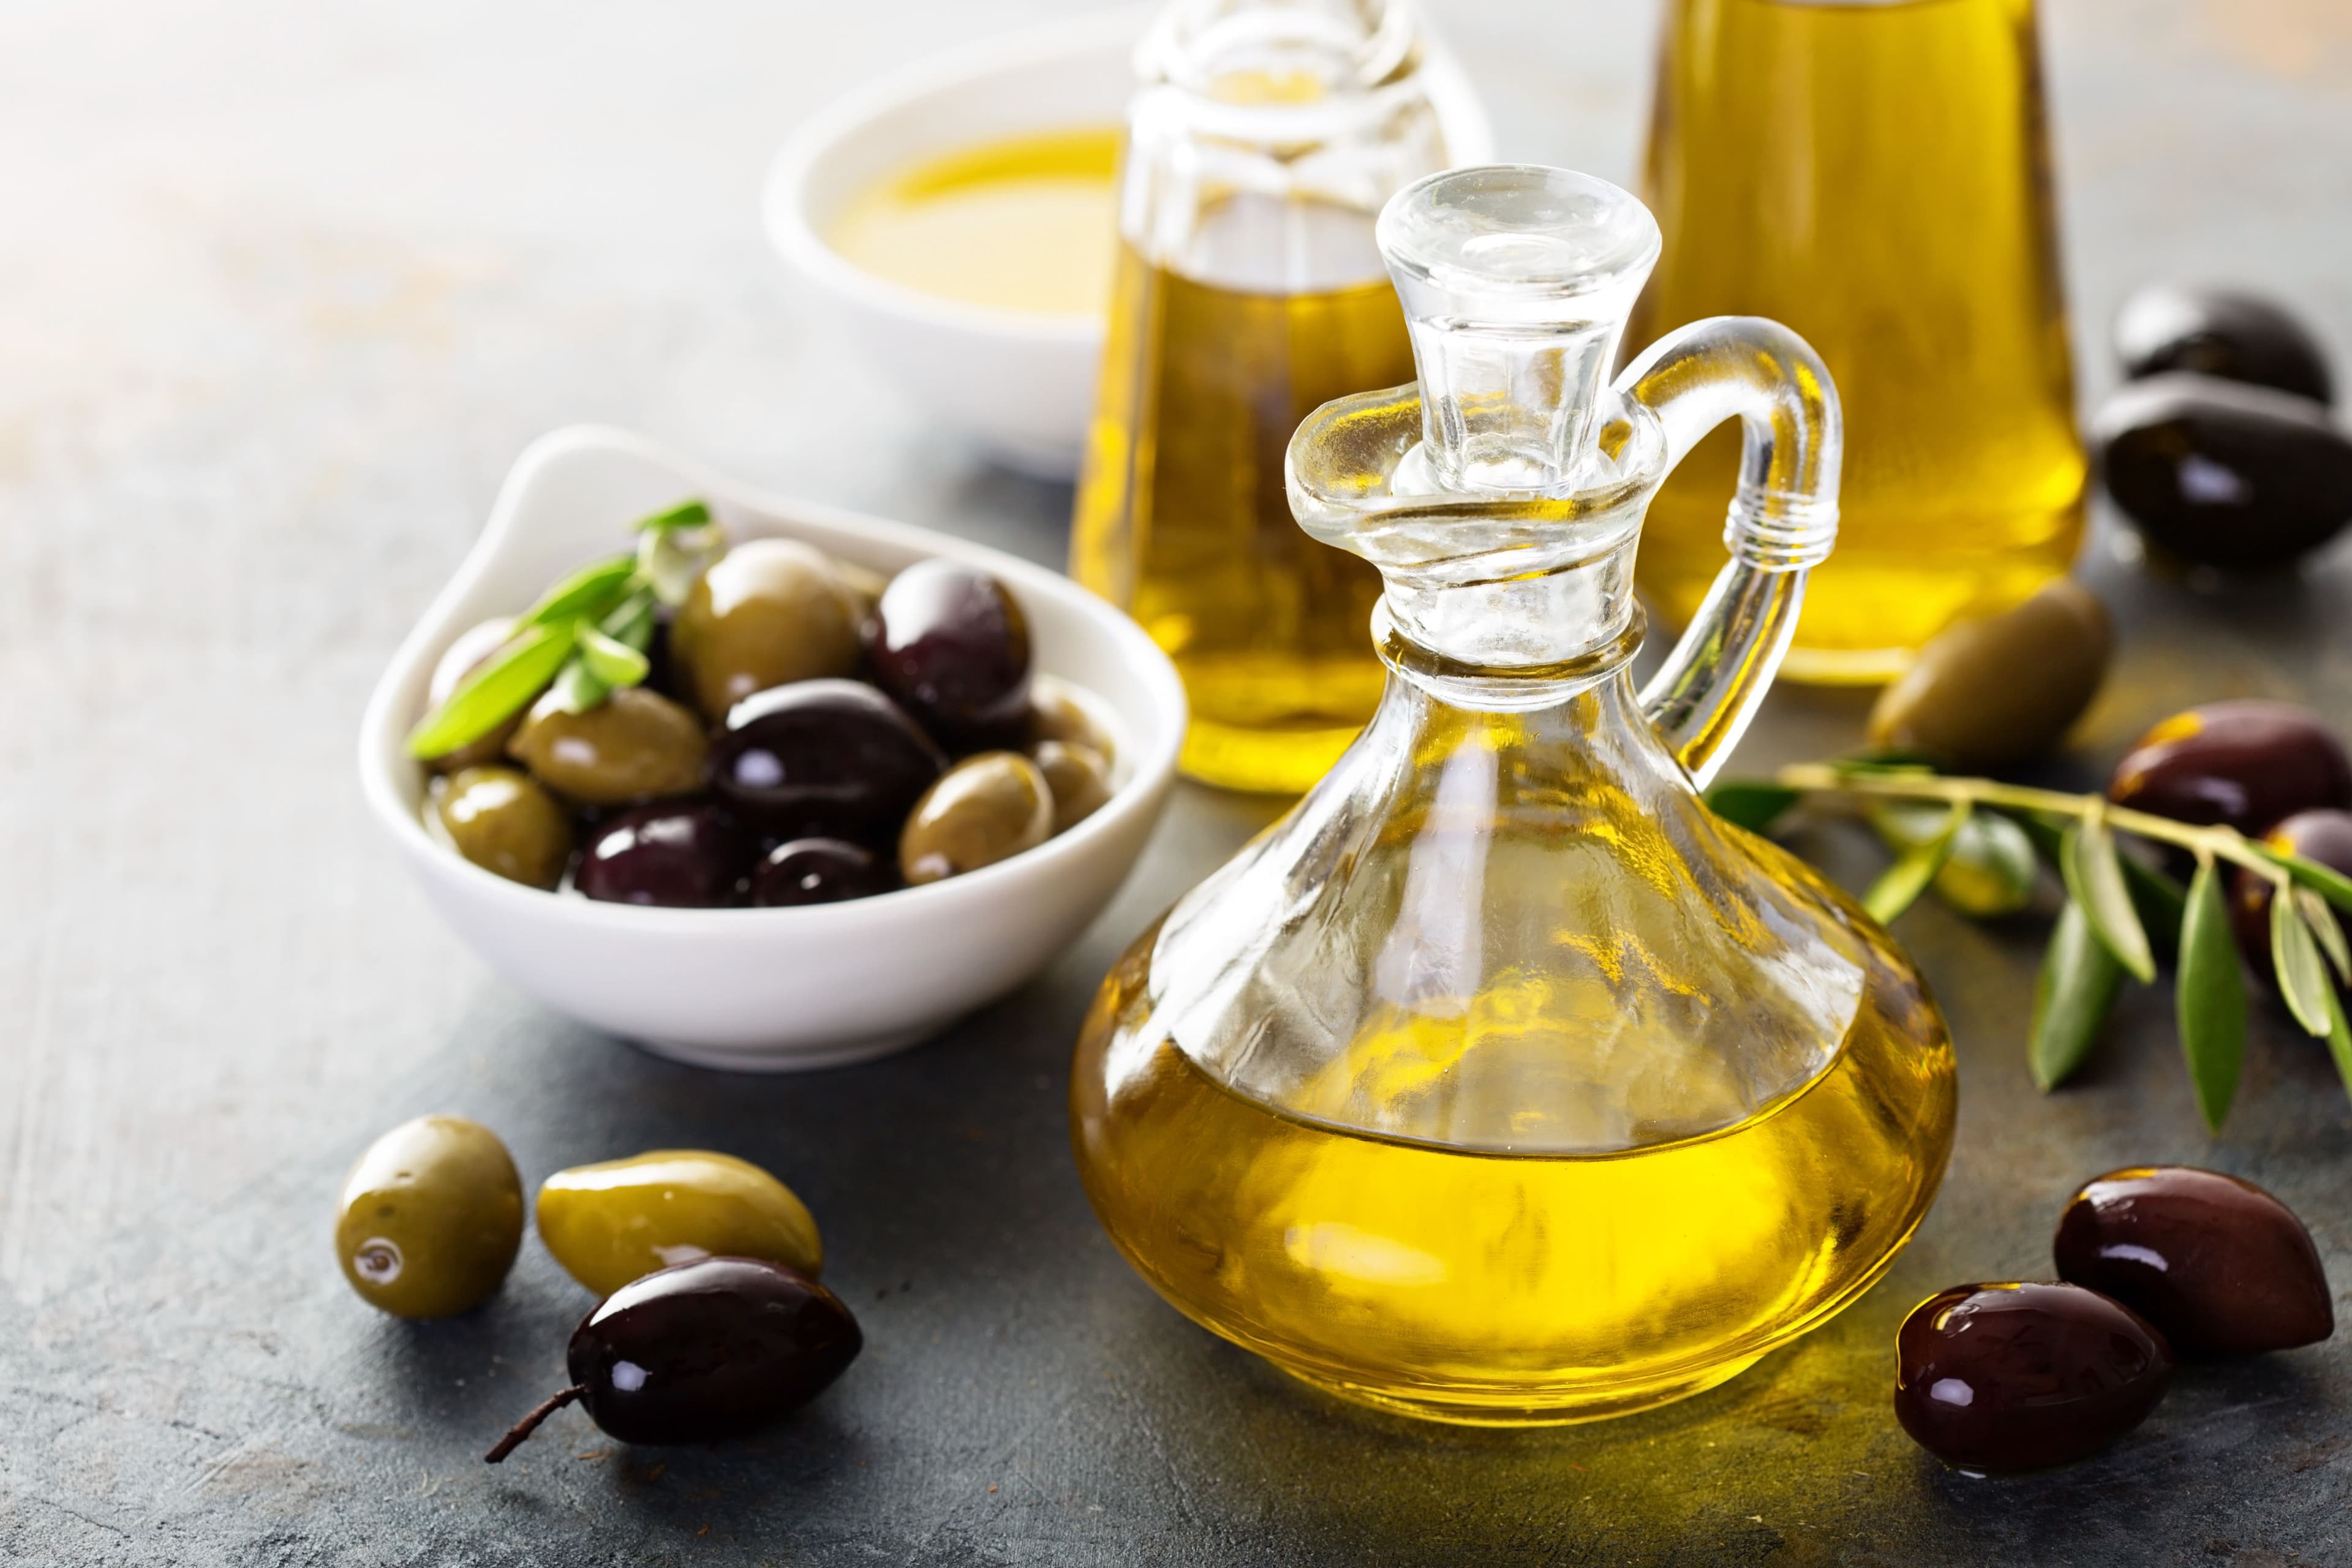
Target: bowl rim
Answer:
[[783, 197], [1151, 760]]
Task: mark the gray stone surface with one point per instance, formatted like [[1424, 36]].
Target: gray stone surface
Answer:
[[287, 286]]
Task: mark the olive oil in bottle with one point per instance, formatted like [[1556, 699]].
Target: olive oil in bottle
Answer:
[[1182, 516], [1263, 137], [1875, 175]]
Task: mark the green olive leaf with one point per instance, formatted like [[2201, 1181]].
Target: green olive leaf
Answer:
[[2072, 998], [2301, 972], [2094, 879], [590, 592], [610, 661], [2325, 880], [2340, 1039], [2157, 898], [493, 693], [684, 514], [577, 689], [1913, 869], [2325, 929], [632, 621], [2209, 997], [1752, 804]]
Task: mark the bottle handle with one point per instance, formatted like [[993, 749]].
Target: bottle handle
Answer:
[[1782, 523]]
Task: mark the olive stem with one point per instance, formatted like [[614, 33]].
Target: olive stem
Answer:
[[2222, 841], [530, 1424]]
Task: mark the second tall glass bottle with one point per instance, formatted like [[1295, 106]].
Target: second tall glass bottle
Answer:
[[1261, 143]]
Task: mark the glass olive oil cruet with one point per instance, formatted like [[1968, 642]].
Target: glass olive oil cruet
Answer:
[[1876, 173], [1260, 147], [1500, 1081]]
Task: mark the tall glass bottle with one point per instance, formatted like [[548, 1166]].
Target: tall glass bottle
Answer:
[[1263, 139], [1501, 1081], [1875, 174]]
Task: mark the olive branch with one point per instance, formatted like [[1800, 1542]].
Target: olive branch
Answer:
[[2121, 917]]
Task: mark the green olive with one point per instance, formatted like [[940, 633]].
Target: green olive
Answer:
[[503, 821], [1078, 778], [1990, 870], [472, 649], [767, 612], [1055, 714], [611, 1222], [1983, 694], [980, 811], [430, 1218], [635, 745]]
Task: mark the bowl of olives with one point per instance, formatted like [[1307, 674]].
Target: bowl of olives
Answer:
[[781, 786]]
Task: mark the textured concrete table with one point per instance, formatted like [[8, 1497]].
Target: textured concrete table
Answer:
[[286, 287]]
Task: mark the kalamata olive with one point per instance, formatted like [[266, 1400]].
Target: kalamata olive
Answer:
[[2017, 1376], [820, 871], [823, 759], [1985, 693], [1056, 714], [952, 646], [2248, 763], [702, 1351], [2324, 835], [472, 648], [618, 1220], [501, 820], [678, 855], [430, 1218], [983, 809], [769, 611], [2218, 1264], [1078, 778], [2218, 331], [2222, 473], [635, 745]]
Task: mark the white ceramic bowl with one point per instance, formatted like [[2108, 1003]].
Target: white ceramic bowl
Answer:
[[781, 988], [1020, 384]]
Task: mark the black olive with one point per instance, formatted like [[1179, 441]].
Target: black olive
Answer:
[[702, 1351], [823, 759], [821, 871], [2324, 835], [2220, 1265], [678, 855], [2246, 764], [952, 646], [2216, 332], [2222, 473], [2014, 1377]]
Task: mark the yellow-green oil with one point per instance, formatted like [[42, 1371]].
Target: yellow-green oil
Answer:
[[1182, 516], [1876, 176], [1493, 1288]]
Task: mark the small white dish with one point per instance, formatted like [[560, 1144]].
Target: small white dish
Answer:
[[772, 989], [1020, 383]]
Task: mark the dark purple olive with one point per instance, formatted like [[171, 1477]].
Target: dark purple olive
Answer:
[[823, 759], [2222, 473], [2218, 332], [2324, 835], [2246, 764], [952, 646], [678, 855], [702, 1351], [2218, 1264], [2015, 1377], [820, 871]]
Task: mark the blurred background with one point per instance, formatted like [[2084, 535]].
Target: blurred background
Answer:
[[284, 289]]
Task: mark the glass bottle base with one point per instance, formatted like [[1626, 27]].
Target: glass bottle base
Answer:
[[1423, 1405]]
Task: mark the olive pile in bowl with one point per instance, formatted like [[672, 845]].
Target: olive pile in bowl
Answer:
[[696, 725]]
